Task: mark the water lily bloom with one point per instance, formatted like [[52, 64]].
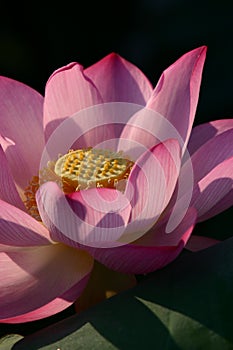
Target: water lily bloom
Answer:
[[94, 201]]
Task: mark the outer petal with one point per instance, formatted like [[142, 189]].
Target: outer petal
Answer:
[[210, 168], [176, 94], [210, 154], [197, 243], [150, 186], [119, 80], [8, 191], [30, 279], [96, 217], [68, 91], [142, 258], [21, 129], [214, 192], [19, 229], [53, 307], [203, 133]]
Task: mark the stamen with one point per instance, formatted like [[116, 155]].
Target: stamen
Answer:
[[30, 201], [46, 174]]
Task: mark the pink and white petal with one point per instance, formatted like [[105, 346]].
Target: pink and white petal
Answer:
[[53, 307], [150, 186], [176, 94], [119, 80], [202, 133], [159, 236], [87, 128], [214, 192], [18, 229], [67, 91], [8, 191], [145, 129], [21, 129], [33, 278], [210, 154], [145, 255], [96, 217], [197, 243]]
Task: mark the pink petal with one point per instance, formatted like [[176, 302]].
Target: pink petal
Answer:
[[119, 80], [150, 185], [211, 154], [90, 127], [147, 254], [21, 129], [158, 235], [214, 192], [202, 133], [145, 129], [34, 277], [19, 229], [53, 307], [96, 217], [8, 191], [176, 94], [207, 171], [197, 243], [68, 91]]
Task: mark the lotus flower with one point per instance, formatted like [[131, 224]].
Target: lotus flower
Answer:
[[46, 254]]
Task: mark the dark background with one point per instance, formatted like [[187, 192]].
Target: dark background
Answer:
[[38, 37]]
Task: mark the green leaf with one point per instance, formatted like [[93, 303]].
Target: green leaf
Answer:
[[187, 305], [8, 341]]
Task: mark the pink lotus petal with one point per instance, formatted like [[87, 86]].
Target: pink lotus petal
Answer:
[[150, 186], [67, 91], [197, 243], [21, 129], [89, 127], [8, 191], [202, 133], [96, 217], [177, 91], [32, 278], [53, 307], [145, 129], [214, 192], [158, 235], [210, 154], [19, 229], [119, 80], [139, 258]]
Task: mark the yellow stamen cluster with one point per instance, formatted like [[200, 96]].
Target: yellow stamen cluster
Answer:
[[30, 202], [46, 174], [87, 168]]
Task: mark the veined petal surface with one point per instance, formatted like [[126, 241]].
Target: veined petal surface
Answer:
[[119, 80], [96, 217], [68, 91], [21, 129], [34, 277], [176, 94]]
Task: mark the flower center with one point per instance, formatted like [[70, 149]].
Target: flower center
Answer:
[[88, 168], [80, 170]]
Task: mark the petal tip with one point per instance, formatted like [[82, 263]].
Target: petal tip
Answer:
[[69, 66]]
